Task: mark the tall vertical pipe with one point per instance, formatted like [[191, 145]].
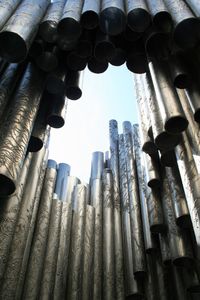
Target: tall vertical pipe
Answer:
[[35, 265], [108, 237], [139, 265], [72, 182], [17, 126], [76, 247], [97, 165], [114, 166], [155, 210], [61, 181]]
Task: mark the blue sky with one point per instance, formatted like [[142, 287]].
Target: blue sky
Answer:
[[105, 96]]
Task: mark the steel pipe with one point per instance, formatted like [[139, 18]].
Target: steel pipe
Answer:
[[108, 237], [76, 62], [97, 165], [57, 110], [10, 208], [74, 84], [7, 8], [155, 210], [55, 82], [186, 26], [138, 16], [131, 35], [119, 57], [179, 73], [90, 14], [96, 66], [72, 182], [47, 61], [167, 158], [193, 94], [17, 128], [171, 110], [85, 44], [76, 247], [136, 60], [194, 5], [65, 44], [49, 23], [63, 252], [35, 264], [165, 249], [160, 15], [69, 24], [112, 17], [139, 266], [152, 171], [104, 48], [157, 44], [36, 48], [63, 171], [50, 260], [88, 253], [19, 32]]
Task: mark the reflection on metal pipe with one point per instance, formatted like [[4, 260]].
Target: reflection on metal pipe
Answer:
[[61, 181], [6, 10], [155, 210]]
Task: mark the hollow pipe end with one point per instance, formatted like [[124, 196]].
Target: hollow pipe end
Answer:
[[182, 81], [35, 144], [140, 275], [197, 115], [158, 228], [7, 186], [138, 64], [176, 124], [47, 62], [183, 261], [13, 47], [73, 93], [139, 19], [163, 21], [48, 31], [165, 141], [70, 28], [112, 21], [97, 67], [55, 121], [149, 147], [187, 33], [119, 58], [184, 221], [154, 183], [90, 19], [104, 51], [55, 85]]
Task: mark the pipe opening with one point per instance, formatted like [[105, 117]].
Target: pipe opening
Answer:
[[90, 20], [7, 186], [176, 125]]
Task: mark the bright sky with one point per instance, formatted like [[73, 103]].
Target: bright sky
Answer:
[[105, 96]]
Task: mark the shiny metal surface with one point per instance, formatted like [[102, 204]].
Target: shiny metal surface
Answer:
[[63, 171], [72, 182], [17, 126], [6, 10], [152, 171], [112, 17], [192, 93], [19, 32], [114, 166], [97, 165], [155, 211], [90, 14], [74, 82], [194, 5], [57, 110], [38, 248], [179, 72]]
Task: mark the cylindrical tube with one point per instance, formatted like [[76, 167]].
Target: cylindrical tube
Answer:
[[167, 158], [193, 94], [47, 61], [18, 33], [50, 259], [61, 181], [155, 211], [171, 110], [97, 165], [194, 5], [6, 10], [179, 73], [35, 265], [17, 128], [186, 26], [138, 16], [165, 249], [8, 217], [104, 48], [112, 17], [139, 265], [85, 44], [96, 66], [57, 110], [48, 25], [96, 197], [152, 171], [108, 237], [90, 14], [119, 57], [55, 82], [74, 82], [75, 61], [63, 252], [76, 247], [69, 24], [88, 253], [72, 182]]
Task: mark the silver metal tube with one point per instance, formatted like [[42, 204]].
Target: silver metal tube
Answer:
[[72, 182], [88, 253], [74, 83], [57, 110], [50, 259], [152, 171], [90, 14], [85, 44], [108, 237], [63, 171], [193, 94], [7, 8], [104, 48], [18, 245], [55, 82], [9, 214], [136, 60], [179, 73], [139, 265], [165, 249], [118, 251], [17, 128], [138, 16], [155, 210], [48, 25], [168, 101], [63, 252], [112, 17], [35, 264], [77, 241], [186, 26], [19, 32], [97, 165], [69, 24], [96, 197], [194, 5]]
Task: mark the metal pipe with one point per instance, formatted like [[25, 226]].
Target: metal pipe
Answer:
[[118, 252], [85, 44], [17, 128], [165, 249], [48, 60], [9, 214], [152, 171], [169, 104], [19, 32], [75, 62], [138, 16], [65, 44], [63, 171], [49, 23], [186, 26], [97, 165], [69, 24], [136, 60], [57, 110], [157, 44], [131, 35], [104, 48], [194, 5], [179, 242], [55, 82], [88, 253], [72, 182], [50, 259], [160, 15], [7, 8], [90, 14], [108, 237], [193, 94], [35, 264], [63, 252], [178, 196], [179, 73], [191, 181], [19, 240], [76, 248], [139, 265], [155, 210], [74, 84], [112, 17], [167, 158], [96, 197], [96, 66]]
